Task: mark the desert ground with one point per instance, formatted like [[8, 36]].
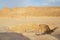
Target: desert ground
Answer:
[[16, 16], [9, 22]]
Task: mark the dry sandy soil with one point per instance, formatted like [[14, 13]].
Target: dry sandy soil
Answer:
[[25, 36], [6, 22]]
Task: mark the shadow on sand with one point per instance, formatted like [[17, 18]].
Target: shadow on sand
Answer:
[[12, 36], [57, 36]]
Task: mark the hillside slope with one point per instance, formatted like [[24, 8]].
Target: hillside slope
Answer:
[[30, 11]]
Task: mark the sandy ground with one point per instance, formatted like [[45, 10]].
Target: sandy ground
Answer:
[[25, 36], [5, 22], [32, 36]]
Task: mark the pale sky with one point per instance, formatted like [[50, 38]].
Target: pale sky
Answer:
[[23, 3]]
